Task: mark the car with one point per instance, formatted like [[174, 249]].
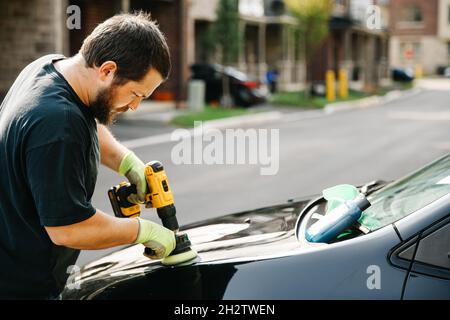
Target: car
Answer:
[[447, 72], [399, 249], [402, 74], [245, 91], [443, 70]]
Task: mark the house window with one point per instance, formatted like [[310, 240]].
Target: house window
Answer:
[[412, 14]]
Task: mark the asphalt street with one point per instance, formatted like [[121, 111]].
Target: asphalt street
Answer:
[[316, 151]]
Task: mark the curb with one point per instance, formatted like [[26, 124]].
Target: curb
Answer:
[[368, 102], [245, 120], [148, 107]]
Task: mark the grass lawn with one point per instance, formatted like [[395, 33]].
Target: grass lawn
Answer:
[[298, 99], [187, 119]]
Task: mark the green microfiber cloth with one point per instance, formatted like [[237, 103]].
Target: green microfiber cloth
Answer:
[[336, 195]]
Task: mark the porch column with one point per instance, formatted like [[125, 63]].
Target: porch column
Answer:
[[125, 5], [348, 58], [369, 64], [262, 65], [60, 28], [241, 56]]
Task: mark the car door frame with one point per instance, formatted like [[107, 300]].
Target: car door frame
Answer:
[[413, 229]]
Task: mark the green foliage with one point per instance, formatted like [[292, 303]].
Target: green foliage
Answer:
[[225, 31], [299, 99], [312, 22], [209, 113], [208, 44]]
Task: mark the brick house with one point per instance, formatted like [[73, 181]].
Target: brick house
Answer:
[[268, 39], [420, 33], [352, 46], [32, 28]]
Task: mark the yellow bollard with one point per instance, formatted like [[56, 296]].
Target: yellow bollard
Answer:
[[343, 84], [418, 71], [330, 86]]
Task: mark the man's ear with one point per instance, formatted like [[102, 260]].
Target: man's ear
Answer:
[[107, 70]]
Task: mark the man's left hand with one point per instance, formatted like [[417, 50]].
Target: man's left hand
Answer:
[[133, 168]]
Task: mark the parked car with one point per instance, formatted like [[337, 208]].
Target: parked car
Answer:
[[399, 250], [447, 72], [402, 74], [440, 70], [245, 91]]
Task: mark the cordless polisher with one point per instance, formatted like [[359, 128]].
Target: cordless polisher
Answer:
[[159, 197]]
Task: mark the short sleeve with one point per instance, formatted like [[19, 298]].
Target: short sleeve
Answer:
[[56, 174]]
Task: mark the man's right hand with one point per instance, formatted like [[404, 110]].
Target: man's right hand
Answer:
[[156, 237]]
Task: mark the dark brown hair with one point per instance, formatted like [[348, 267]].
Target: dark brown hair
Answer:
[[133, 41]]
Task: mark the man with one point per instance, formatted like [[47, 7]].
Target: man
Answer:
[[52, 137]]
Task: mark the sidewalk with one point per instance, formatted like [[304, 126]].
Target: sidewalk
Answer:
[[152, 118], [156, 108], [370, 101]]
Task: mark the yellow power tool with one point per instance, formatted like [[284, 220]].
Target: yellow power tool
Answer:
[[159, 197]]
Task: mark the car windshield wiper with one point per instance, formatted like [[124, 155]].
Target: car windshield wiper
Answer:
[[372, 186]]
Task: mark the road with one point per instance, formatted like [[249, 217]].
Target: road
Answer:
[[315, 151]]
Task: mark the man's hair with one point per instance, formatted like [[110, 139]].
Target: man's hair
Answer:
[[133, 42]]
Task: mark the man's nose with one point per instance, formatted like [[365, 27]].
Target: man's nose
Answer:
[[134, 104]]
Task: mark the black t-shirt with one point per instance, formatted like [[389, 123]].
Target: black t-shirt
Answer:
[[49, 157]]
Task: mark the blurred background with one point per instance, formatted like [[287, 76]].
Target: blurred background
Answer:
[[358, 89]]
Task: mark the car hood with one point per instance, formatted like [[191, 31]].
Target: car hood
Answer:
[[255, 235]]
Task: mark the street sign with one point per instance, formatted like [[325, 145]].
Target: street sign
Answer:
[[409, 53]]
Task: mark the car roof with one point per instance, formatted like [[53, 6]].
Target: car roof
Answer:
[[230, 71]]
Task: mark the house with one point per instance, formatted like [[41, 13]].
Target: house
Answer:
[[354, 45], [420, 34], [31, 29], [268, 39]]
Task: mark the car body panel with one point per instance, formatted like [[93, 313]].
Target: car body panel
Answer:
[[424, 287], [251, 255], [336, 271], [239, 236], [263, 254]]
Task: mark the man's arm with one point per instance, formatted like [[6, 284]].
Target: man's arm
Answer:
[[97, 232], [118, 158], [103, 231], [111, 150]]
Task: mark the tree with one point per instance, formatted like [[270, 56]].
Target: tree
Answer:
[[226, 30], [228, 39], [312, 26]]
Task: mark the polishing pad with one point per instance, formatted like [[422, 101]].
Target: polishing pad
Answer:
[[179, 258]]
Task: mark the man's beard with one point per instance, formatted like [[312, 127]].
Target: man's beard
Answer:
[[102, 105]]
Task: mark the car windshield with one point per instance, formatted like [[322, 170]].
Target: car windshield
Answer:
[[407, 195]]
